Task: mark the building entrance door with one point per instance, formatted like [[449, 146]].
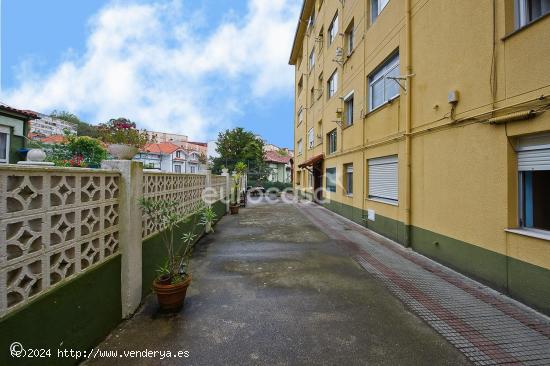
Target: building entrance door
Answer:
[[317, 182]]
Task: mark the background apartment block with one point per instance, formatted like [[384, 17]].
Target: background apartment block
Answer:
[[47, 126], [425, 121]]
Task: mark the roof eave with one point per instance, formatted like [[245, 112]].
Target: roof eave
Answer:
[[300, 30]]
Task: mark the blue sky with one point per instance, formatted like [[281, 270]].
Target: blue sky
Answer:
[[193, 67]]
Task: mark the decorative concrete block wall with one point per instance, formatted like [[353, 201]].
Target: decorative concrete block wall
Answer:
[[54, 224]]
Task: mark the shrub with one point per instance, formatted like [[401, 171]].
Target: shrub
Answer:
[[77, 151], [123, 131]]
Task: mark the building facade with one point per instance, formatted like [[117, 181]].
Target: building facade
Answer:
[[426, 122], [46, 126], [172, 158], [167, 137], [14, 126]]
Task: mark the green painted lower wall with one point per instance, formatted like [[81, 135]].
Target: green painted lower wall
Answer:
[[523, 281], [76, 315], [482, 264], [154, 251]]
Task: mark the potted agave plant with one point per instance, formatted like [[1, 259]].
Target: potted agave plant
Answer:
[[123, 138], [240, 168], [174, 276]]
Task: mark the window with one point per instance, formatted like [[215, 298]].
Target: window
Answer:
[[298, 177], [300, 115], [320, 86], [331, 142], [333, 29], [530, 10], [330, 177], [300, 84], [177, 168], [383, 179], [534, 181], [348, 179], [381, 88], [178, 154], [310, 180], [332, 84], [312, 59], [348, 109], [310, 138], [376, 8], [193, 169], [300, 147], [4, 145], [320, 38], [312, 96], [350, 38]]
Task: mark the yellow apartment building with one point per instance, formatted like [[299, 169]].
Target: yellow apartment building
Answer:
[[425, 121]]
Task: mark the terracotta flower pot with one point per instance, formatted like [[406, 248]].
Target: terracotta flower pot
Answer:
[[234, 209], [122, 151], [171, 297]]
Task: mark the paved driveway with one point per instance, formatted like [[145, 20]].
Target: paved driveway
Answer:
[[271, 288]]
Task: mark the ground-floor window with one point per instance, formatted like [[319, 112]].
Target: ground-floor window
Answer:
[[534, 181], [348, 179], [383, 179], [331, 179], [310, 179], [177, 168], [193, 169], [535, 191], [4, 145]]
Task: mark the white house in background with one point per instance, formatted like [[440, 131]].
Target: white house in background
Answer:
[[169, 157], [48, 126]]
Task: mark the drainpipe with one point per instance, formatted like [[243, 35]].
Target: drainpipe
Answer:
[[408, 109]]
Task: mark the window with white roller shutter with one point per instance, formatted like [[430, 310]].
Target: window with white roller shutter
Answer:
[[533, 158], [383, 179]]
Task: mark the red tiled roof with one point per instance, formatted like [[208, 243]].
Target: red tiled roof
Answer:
[[275, 157], [161, 148], [28, 114], [53, 139]]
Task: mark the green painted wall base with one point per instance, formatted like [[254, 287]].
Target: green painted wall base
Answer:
[[75, 315], [523, 281], [154, 250]]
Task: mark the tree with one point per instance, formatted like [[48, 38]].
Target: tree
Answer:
[[238, 145], [82, 128]]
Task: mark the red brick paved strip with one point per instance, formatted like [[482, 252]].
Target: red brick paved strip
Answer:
[[506, 308], [465, 330], [507, 334]]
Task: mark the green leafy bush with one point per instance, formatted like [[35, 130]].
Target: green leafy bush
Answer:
[[123, 131], [77, 151]]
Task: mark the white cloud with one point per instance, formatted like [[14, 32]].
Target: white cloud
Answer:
[[152, 64]]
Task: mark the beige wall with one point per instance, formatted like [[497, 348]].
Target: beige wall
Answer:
[[463, 170]]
